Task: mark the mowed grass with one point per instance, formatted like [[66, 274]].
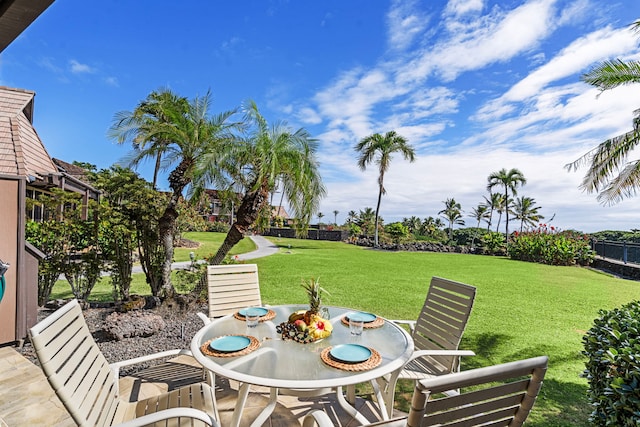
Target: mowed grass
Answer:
[[521, 309]]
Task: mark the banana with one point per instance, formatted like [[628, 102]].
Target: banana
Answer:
[[296, 315]]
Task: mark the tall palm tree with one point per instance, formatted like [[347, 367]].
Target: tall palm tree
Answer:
[[526, 211], [452, 212], [186, 134], [320, 216], [609, 173], [271, 154], [335, 217], [510, 180], [380, 149]]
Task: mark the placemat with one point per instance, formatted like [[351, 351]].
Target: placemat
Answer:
[[254, 344], [269, 316], [370, 363], [373, 324]]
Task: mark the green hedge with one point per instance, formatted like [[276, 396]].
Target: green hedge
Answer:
[[613, 369]]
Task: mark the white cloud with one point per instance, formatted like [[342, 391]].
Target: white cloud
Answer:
[[405, 23], [461, 7], [79, 68]]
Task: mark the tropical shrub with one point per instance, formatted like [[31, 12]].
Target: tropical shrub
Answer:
[[493, 242], [548, 245], [612, 346], [396, 231], [218, 227]]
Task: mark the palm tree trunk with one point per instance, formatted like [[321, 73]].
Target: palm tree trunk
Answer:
[[506, 211], [156, 170], [166, 226], [375, 238], [178, 180], [248, 212]]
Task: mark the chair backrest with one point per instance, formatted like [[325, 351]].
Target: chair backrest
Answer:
[[232, 287], [499, 395], [75, 367], [442, 321]]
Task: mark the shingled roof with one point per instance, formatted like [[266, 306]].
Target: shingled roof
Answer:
[[22, 153]]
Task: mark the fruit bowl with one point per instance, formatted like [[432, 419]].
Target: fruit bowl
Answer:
[[314, 329]]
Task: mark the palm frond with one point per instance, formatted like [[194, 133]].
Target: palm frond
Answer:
[[611, 74], [626, 184]]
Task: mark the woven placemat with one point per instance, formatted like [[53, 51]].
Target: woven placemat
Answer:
[[269, 316], [370, 363], [373, 324], [254, 344]]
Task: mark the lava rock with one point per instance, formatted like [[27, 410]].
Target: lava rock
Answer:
[[133, 324]]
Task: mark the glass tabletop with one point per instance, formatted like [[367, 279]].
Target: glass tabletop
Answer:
[[289, 364]]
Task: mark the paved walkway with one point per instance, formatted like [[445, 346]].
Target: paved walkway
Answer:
[[264, 248]]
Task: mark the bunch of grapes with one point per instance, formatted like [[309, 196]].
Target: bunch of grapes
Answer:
[[289, 331]]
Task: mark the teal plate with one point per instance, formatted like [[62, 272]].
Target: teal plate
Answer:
[[230, 343], [260, 310], [350, 353], [366, 317]]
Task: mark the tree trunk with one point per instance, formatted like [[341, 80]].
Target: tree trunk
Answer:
[[156, 170], [178, 179], [252, 203], [506, 210], [166, 225], [375, 238]]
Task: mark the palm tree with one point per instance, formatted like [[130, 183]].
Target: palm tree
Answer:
[[352, 216], [271, 154], [380, 149], [610, 157], [510, 180], [335, 217], [452, 212], [494, 201], [153, 109], [413, 224], [366, 218], [185, 133], [479, 213], [430, 225], [320, 216], [526, 211]]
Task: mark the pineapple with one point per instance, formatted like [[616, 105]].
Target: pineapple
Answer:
[[314, 291]]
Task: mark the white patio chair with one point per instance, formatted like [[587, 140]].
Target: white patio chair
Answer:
[[87, 384], [231, 288], [436, 334], [499, 395]]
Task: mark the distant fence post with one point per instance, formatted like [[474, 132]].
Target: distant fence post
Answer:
[[624, 252]]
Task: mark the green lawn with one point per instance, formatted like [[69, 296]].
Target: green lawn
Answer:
[[521, 309]]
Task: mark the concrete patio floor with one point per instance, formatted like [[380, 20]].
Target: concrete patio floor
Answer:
[[27, 399]]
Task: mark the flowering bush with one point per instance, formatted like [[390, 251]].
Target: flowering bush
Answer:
[[549, 245]]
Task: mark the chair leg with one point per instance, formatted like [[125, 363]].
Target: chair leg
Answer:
[[388, 390]]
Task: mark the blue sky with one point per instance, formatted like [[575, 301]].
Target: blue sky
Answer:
[[475, 86]]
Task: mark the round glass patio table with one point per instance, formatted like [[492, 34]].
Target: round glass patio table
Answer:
[[297, 368]]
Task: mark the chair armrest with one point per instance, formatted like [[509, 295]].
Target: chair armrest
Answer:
[[115, 367], [169, 414], [204, 318], [317, 418], [410, 323]]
